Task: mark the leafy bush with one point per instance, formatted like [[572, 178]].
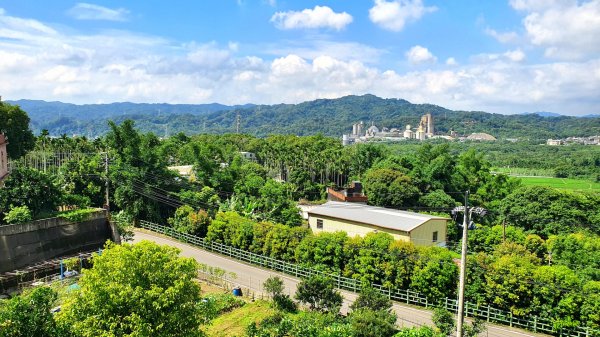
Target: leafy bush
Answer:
[[124, 224], [284, 303], [29, 315], [18, 215], [77, 215], [274, 286], [319, 294], [222, 303]]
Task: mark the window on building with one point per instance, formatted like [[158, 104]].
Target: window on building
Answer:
[[319, 223], [435, 236]]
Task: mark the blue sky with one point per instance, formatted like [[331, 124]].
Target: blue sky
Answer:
[[498, 56]]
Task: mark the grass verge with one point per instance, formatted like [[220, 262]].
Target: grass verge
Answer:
[[234, 323]]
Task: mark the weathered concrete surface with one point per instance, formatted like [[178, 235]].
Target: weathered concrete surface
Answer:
[[27, 244]]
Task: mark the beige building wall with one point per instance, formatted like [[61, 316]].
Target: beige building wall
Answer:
[[421, 236], [351, 227]]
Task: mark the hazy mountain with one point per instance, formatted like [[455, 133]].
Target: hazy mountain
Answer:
[[331, 117], [543, 114], [39, 110]]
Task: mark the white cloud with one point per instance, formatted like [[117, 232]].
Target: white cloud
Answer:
[[567, 29], [51, 64], [503, 37], [515, 55], [393, 15], [87, 11], [319, 17], [538, 5], [314, 47], [419, 54], [451, 61]]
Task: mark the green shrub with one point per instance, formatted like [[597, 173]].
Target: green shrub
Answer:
[[77, 215], [222, 303], [18, 215]]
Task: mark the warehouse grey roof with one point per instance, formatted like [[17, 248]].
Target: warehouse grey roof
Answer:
[[375, 216]]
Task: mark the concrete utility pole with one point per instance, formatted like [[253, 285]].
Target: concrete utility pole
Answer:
[[463, 270]]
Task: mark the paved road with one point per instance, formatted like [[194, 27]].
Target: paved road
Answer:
[[251, 278]]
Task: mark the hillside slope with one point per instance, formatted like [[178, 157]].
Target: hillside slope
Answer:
[[330, 117]]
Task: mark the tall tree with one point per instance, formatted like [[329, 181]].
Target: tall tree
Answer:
[[319, 293], [14, 123], [136, 290], [31, 188]]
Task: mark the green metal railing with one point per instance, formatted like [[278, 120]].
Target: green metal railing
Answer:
[[484, 312]]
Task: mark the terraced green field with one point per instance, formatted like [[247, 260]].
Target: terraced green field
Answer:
[[562, 183]]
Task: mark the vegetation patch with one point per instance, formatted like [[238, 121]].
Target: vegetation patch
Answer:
[[234, 323], [77, 215], [562, 183]]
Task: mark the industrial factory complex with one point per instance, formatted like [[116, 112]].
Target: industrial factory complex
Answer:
[[425, 130]]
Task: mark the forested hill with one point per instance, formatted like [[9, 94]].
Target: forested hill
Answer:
[[331, 117]]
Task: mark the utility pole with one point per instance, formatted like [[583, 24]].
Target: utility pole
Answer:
[[463, 270], [106, 183]]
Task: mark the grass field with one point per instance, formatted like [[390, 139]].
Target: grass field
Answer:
[[562, 183], [234, 323], [520, 171]]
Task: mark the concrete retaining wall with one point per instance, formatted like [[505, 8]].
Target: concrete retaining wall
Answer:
[[27, 244]]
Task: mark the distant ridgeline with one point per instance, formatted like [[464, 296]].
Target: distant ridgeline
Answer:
[[331, 117]]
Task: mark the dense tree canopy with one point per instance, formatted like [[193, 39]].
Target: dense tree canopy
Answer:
[[14, 123], [136, 290]]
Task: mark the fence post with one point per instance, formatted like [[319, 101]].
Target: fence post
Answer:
[[534, 323], [511, 317], [488, 313]]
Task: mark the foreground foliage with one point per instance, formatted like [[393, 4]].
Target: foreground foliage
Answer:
[[136, 290]]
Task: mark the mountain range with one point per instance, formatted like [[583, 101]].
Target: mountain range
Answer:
[[331, 117]]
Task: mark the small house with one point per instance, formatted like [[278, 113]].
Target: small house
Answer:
[[359, 219]]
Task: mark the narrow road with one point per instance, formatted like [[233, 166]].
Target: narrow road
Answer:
[[251, 278]]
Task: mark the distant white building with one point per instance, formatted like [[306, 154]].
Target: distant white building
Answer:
[[554, 142]]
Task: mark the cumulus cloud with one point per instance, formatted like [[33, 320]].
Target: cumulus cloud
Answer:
[[87, 11], [318, 17], [393, 15], [312, 48], [451, 61], [566, 29], [537, 5], [515, 55], [419, 54], [503, 37]]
